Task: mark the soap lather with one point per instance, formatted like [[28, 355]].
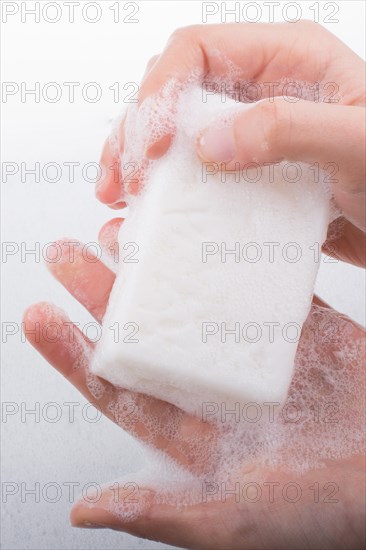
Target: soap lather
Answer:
[[212, 310]]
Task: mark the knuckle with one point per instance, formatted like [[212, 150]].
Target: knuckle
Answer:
[[275, 118], [313, 30], [182, 34], [151, 61], [308, 23]]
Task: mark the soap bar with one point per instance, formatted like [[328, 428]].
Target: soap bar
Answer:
[[216, 274]]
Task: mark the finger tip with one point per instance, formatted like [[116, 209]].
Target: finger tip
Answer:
[[36, 316], [78, 515], [109, 188], [87, 516], [109, 230], [111, 196], [41, 311], [119, 205], [31, 314]]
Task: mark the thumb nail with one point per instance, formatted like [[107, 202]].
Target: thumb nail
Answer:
[[90, 525], [216, 144], [93, 517]]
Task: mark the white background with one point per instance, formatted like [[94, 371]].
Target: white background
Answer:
[[103, 52]]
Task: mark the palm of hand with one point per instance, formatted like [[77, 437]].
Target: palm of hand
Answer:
[[328, 513]]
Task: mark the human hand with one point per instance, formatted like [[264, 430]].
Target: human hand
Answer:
[[331, 521], [329, 129]]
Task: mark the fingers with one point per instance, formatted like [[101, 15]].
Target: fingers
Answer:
[[67, 349], [79, 270], [263, 53], [140, 512], [186, 439], [108, 237], [268, 54], [60, 342], [345, 242], [234, 519], [271, 131], [155, 422], [110, 187]]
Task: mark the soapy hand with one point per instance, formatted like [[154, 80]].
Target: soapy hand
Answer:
[[329, 513], [293, 131], [328, 130]]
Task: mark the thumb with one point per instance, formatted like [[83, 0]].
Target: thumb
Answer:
[[277, 129], [144, 512]]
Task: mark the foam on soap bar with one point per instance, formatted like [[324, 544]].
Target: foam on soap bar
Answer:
[[216, 273]]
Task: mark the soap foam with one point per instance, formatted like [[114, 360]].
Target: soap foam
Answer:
[[325, 403], [327, 393], [176, 293]]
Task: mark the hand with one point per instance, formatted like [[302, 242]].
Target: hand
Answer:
[[267, 523], [319, 131]]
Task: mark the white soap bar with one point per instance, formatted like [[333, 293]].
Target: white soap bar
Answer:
[[213, 307]]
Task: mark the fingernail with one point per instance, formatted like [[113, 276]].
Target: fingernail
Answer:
[[90, 525], [216, 144], [118, 205]]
